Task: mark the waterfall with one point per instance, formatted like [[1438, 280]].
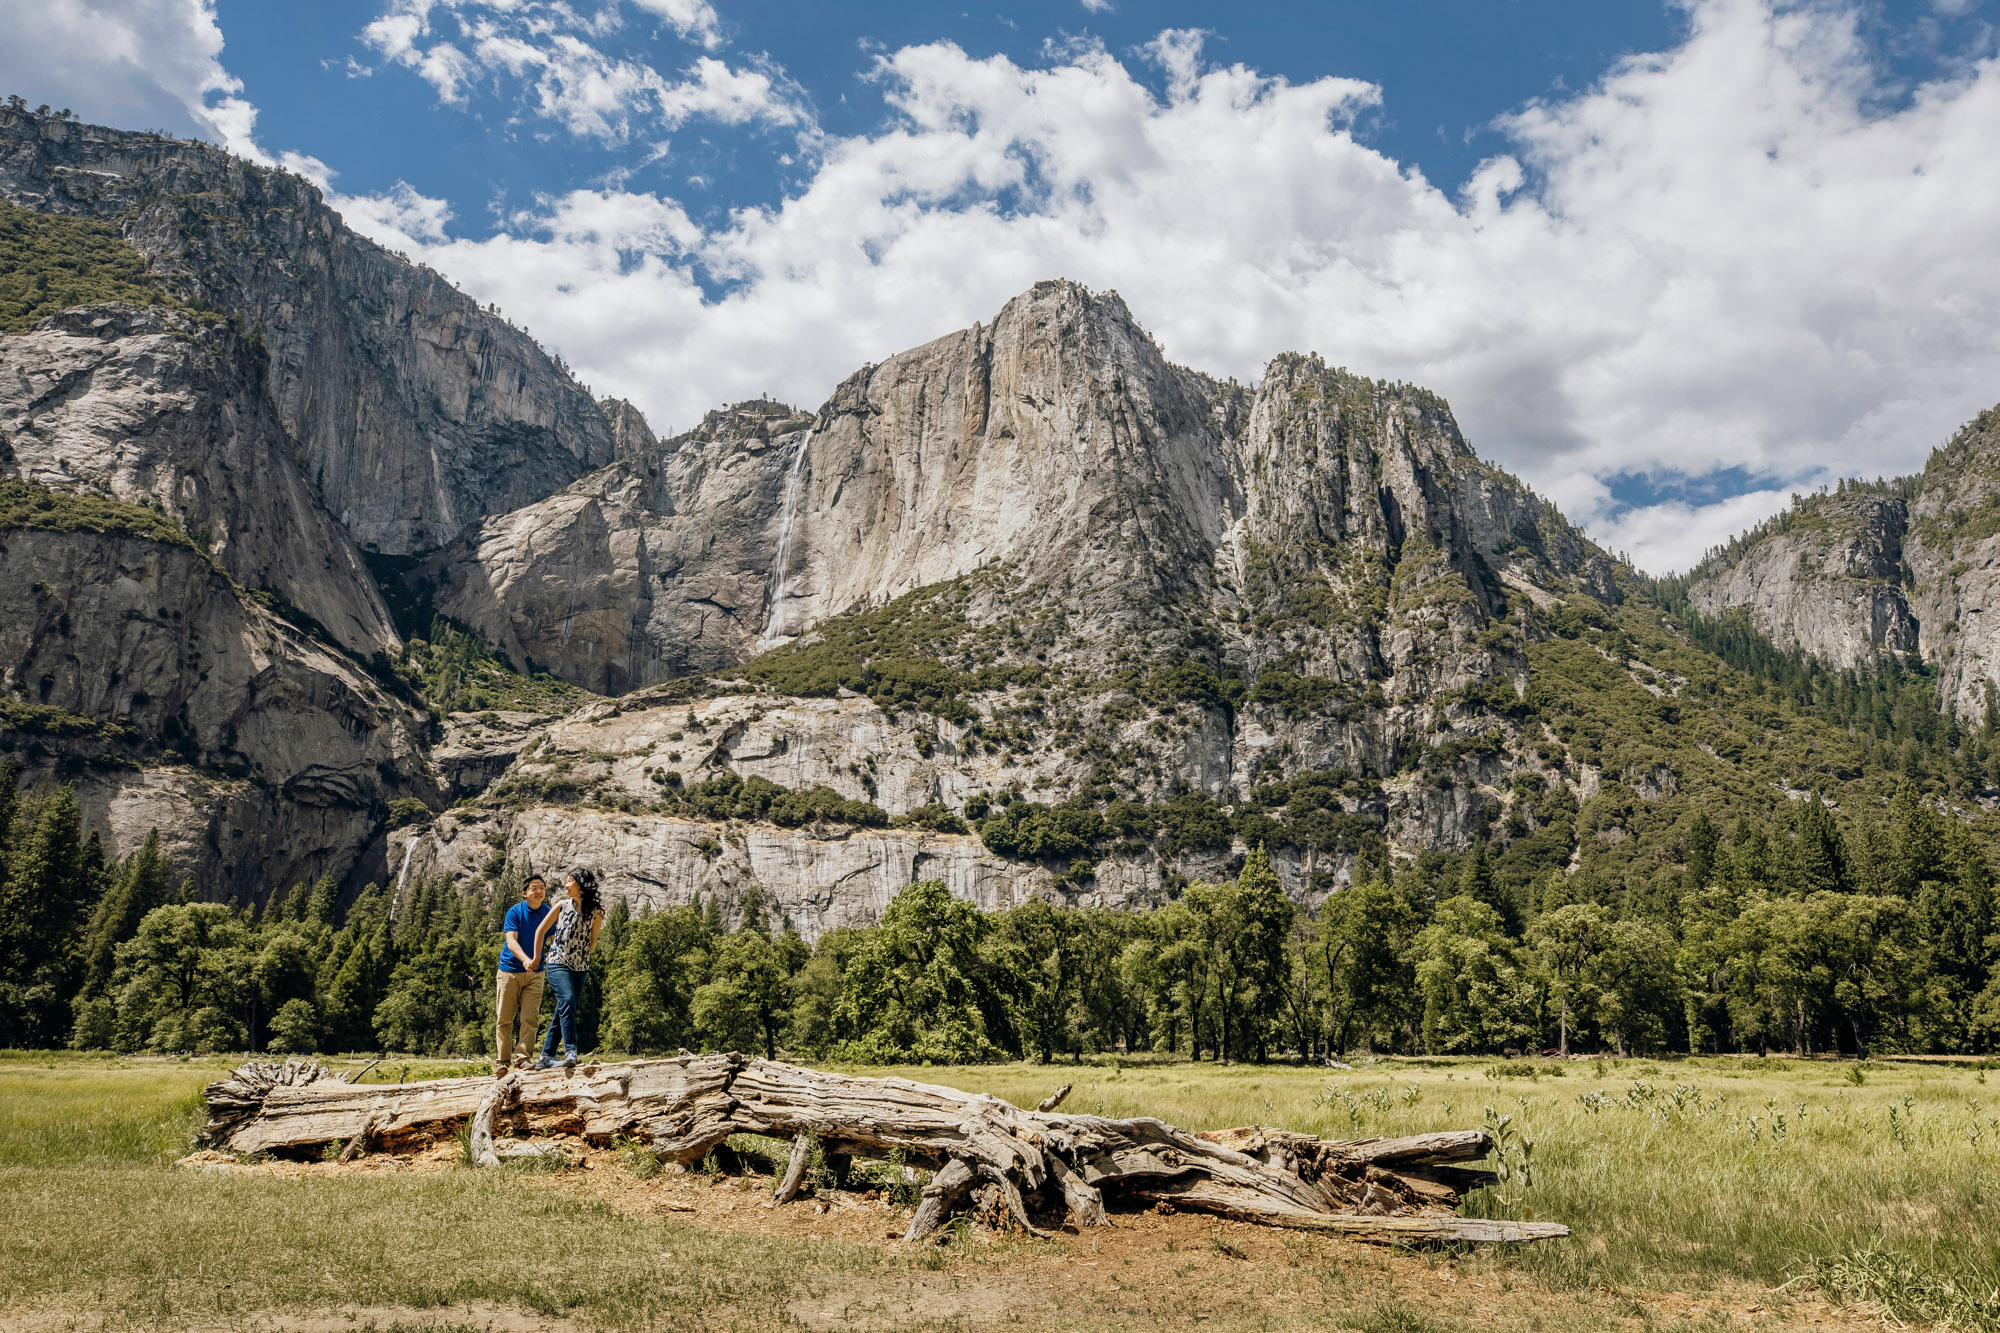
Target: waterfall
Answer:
[[788, 518], [403, 874]]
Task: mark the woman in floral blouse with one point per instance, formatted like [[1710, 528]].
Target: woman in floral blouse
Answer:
[[563, 943]]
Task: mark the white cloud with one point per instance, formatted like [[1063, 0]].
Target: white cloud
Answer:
[[556, 54], [1723, 255], [694, 20], [1097, 6], [1673, 535], [150, 64]]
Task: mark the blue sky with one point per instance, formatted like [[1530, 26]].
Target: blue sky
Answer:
[[1667, 261], [1446, 70]]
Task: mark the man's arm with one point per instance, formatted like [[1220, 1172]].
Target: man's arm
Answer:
[[514, 943]]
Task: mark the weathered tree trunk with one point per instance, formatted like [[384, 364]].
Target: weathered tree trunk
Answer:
[[795, 1170], [1045, 1164]]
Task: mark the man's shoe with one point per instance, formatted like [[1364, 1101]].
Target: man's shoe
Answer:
[[500, 1071]]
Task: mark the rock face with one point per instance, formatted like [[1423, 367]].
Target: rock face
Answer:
[[1953, 550], [157, 409], [649, 569], [278, 754], [1911, 570], [581, 792], [417, 411], [1825, 579], [1057, 447], [1055, 495]]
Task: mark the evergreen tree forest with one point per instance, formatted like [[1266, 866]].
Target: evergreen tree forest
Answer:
[[1810, 932]]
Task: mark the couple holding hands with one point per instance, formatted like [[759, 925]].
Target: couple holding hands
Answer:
[[546, 942]]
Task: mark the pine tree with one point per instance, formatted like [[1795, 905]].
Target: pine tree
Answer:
[[1476, 881], [1701, 844], [1823, 860], [324, 903], [9, 807], [43, 905], [140, 886]]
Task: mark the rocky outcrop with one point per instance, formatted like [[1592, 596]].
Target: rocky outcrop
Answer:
[[631, 437], [1954, 556], [599, 788], [159, 409], [1054, 454], [1910, 569], [649, 569], [416, 410], [1824, 578], [264, 756], [1048, 495]]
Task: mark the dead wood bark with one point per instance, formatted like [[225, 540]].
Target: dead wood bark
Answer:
[[481, 1132], [1055, 1099], [1062, 1166], [795, 1170]]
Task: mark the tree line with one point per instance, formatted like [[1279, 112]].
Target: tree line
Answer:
[[1804, 932]]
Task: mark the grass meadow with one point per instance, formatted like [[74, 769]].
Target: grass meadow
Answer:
[[1751, 1189]]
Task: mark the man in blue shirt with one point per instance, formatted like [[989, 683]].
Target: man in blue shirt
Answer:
[[519, 985]]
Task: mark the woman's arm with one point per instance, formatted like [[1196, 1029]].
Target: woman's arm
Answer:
[[542, 933], [596, 920]]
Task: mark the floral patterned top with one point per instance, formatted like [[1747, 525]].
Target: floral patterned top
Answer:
[[569, 939]]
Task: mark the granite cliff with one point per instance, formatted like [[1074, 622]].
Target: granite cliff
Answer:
[[416, 411], [1900, 569], [1029, 608], [1139, 584]]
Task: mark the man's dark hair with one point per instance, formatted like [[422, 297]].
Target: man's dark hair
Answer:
[[532, 879]]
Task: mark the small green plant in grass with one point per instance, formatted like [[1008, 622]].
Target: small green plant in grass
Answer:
[[332, 1151], [639, 1159], [1512, 1162], [1906, 1290], [905, 1185], [1223, 1247], [1855, 1076], [1393, 1317]]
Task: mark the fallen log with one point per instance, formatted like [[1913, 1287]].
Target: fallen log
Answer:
[[1044, 1168]]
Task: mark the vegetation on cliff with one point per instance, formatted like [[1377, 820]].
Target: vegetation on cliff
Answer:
[[50, 262]]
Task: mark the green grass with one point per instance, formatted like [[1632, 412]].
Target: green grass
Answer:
[[1667, 1187], [99, 1112], [1663, 1192]]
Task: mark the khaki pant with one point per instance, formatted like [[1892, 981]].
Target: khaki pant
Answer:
[[520, 991]]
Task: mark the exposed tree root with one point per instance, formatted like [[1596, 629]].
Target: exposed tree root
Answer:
[[1042, 1167]]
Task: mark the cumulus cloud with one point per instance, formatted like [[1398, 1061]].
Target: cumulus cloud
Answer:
[[694, 20], [1728, 254], [556, 55], [152, 64], [1738, 253]]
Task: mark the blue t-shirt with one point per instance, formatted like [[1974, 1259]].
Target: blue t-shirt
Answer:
[[524, 921]]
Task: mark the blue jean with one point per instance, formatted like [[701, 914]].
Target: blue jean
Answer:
[[567, 985]]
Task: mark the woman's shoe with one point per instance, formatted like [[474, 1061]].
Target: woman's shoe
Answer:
[[569, 1061], [546, 1062]]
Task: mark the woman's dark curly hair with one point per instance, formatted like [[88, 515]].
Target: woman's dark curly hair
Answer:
[[587, 881]]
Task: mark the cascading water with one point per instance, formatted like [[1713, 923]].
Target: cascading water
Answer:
[[404, 873], [788, 517]]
